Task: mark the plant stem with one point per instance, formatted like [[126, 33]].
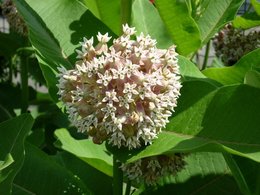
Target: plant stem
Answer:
[[238, 176], [126, 8], [117, 177], [24, 82], [206, 56], [128, 187], [10, 76]]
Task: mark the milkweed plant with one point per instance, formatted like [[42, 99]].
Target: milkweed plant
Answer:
[[129, 97]]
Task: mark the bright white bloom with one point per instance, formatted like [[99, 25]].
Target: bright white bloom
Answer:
[[123, 93]]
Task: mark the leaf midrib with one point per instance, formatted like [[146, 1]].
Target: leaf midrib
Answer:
[[22, 188], [211, 140], [211, 29], [18, 134]]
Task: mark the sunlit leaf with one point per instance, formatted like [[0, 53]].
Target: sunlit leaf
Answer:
[[146, 19], [180, 25], [215, 15], [108, 11], [236, 73], [205, 173], [224, 120], [95, 155], [252, 78], [246, 21]]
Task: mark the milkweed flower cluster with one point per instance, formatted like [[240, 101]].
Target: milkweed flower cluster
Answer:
[[151, 169], [123, 93], [14, 19], [231, 44]]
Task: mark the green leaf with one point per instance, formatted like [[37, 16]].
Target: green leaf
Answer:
[[256, 6], [235, 74], [42, 175], [190, 71], [70, 25], [205, 173], [251, 172], [181, 26], [226, 119], [9, 43], [48, 50], [246, 21], [54, 35], [108, 11], [239, 177], [215, 15], [146, 19], [12, 135], [95, 155], [7, 161], [252, 78], [91, 177]]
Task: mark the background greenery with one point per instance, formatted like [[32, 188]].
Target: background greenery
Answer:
[[216, 121]]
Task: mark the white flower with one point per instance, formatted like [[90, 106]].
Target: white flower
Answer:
[[103, 38], [124, 93]]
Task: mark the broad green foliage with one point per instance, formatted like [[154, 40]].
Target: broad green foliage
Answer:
[[252, 78], [95, 155], [55, 43], [215, 15], [12, 135], [205, 173], [216, 122], [249, 19], [108, 11], [251, 173], [246, 21], [256, 6], [189, 71], [91, 177], [235, 74], [146, 19], [9, 44], [220, 121], [42, 175], [181, 26]]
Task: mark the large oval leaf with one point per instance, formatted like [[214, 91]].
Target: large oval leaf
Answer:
[[235, 74], [205, 173], [214, 15], [227, 119], [91, 177], [108, 11], [93, 154], [41, 175], [54, 35], [146, 19], [12, 136], [181, 26]]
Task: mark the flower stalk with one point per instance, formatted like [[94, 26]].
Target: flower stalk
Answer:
[[205, 62], [117, 177], [24, 82]]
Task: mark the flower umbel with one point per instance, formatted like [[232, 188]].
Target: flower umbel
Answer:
[[231, 44], [13, 17], [123, 93], [149, 170]]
